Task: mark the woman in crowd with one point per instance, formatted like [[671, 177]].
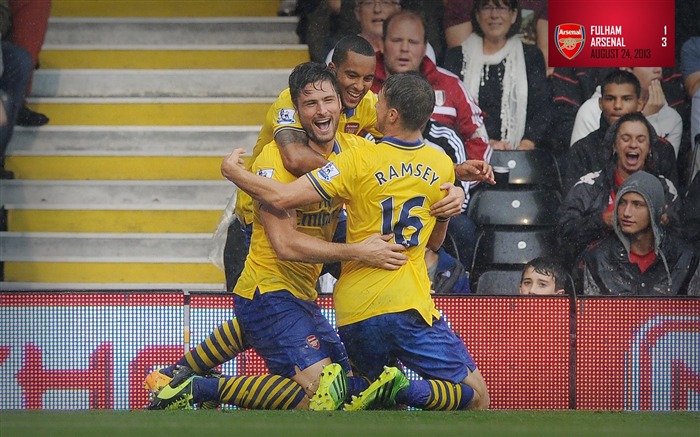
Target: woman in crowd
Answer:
[[508, 77]]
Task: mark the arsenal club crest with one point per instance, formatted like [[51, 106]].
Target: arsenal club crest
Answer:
[[570, 39], [313, 342]]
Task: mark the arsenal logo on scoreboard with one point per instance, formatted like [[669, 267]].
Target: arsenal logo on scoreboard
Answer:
[[570, 39]]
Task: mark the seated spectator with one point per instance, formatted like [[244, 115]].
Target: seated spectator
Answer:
[[690, 215], [690, 67], [447, 274], [652, 103], [620, 92], [640, 258], [508, 77], [533, 25], [587, 210], [542, 276]]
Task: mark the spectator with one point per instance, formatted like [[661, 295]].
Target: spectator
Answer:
[[652, 103], [543, 276], [640, 258], [690, 67], [587, 210], [533, 28], [30, 19], [447, 275], [619, 96], [508, 77], [15, 71]]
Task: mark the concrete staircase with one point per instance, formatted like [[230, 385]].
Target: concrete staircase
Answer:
[[122, 189]]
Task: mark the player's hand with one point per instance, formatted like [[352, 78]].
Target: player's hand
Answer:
[[451, 204], [232, 164], [377, 251], [656, 99], [474, 170]]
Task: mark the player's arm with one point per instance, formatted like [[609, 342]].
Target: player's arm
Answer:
[[298, 158], [265, 190], [437, 237], [292, 245]]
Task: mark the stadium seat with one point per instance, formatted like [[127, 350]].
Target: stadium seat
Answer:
[[504, 282], [529, 167], [510, 249], [529, 207]]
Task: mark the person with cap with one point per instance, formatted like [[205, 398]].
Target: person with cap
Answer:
[[639, 257]]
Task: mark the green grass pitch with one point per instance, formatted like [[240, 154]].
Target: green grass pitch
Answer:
[[102, 423]]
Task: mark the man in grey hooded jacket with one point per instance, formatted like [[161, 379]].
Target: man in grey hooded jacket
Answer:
[[639, 258]]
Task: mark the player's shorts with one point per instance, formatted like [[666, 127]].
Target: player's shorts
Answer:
[[287, 332], [433, 352]]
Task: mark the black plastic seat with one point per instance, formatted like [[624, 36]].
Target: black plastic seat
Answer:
[[510, 249], [529, 167], [499, 282], [530, 207]]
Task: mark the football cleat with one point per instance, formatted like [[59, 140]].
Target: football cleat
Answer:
[[381, 393], [332, 389], [178, 394], [154, 383]]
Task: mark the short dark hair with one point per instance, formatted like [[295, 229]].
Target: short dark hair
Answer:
[[412, 96], [548, 267], [512, 4], [310, 72], [351, 43], [400, 14], [621, 77]]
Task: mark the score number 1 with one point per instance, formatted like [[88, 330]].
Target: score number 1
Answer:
[[663, 38]]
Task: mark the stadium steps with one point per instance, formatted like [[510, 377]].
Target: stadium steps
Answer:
[[122, 190]]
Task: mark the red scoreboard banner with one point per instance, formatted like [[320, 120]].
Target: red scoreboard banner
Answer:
[[93, 350], [611, 33]]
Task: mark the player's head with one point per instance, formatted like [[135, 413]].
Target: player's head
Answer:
[[632, 136], [408, 98], [316, 96], [542, 276], [619, 95], [405, 43], [496, 18], [353, 63]]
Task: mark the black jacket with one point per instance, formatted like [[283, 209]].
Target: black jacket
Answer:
[[607, 269], [590, 154]]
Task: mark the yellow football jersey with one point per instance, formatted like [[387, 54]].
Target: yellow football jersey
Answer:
[[263, 270], [388, 187], [282, 115]]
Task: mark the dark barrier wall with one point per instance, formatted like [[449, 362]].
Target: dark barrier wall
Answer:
[[93, 349]]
